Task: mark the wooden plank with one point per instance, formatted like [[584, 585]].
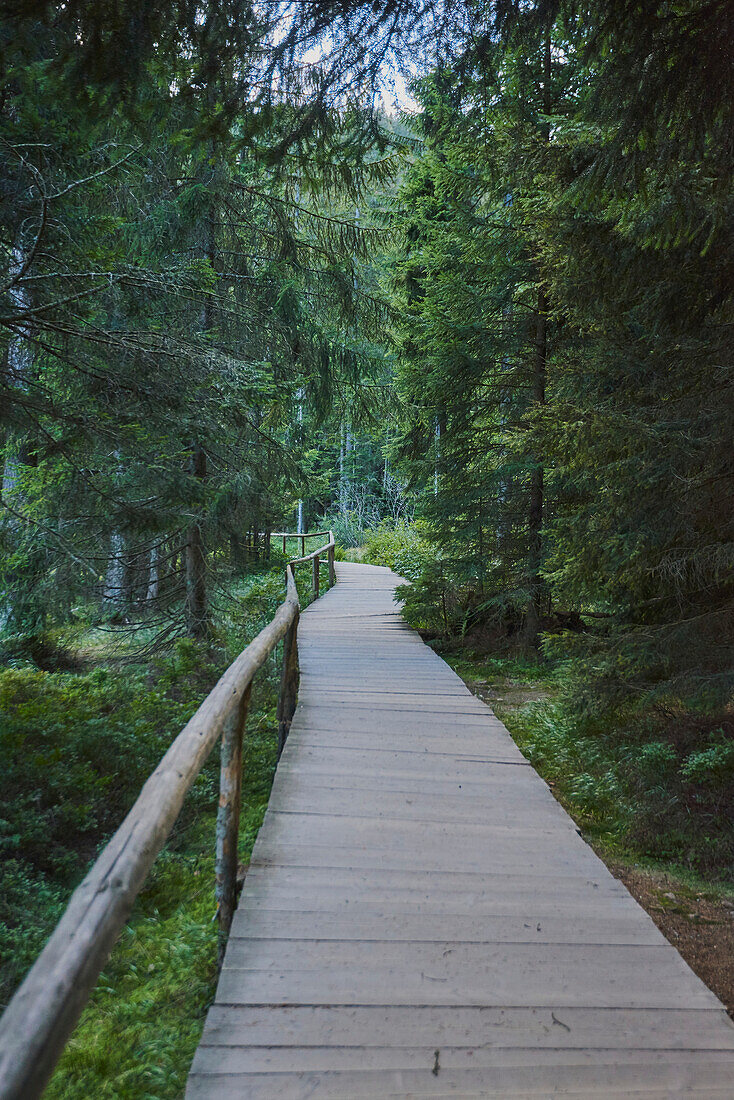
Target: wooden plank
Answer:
[[344, 901], [613, 1082], [377, 926], [416, 887], [448, 723], [499, 786], [254, 1059], [326, 745], [390, 973], [413, 807], [497, 885], [529, 1028]]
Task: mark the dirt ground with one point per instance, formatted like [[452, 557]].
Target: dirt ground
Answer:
[[700, 927]]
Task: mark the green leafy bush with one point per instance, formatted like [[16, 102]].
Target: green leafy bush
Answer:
[[77, 748], [432, 599], [349, 527], [448, 596], [650, 785], [713, 766]]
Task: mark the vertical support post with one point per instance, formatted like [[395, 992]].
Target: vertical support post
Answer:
[[228, 818], [316, 577], [332, 567], [288, 683], [284, 542]]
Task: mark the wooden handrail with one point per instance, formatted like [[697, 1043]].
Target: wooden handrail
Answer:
[[285, 535], [314, 553], [315, 556], [297, 534], [46, 1007]]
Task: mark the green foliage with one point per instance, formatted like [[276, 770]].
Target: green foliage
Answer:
[[643, 786], [194, 290], [403, 547], [562, 208], [199, 341], [60, 733], [137, 1037], [431, 599], [712, 767], [475, 337], [76, 750]]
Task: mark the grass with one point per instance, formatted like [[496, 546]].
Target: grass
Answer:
[[138, 1035], [654, 790], [76, 750], [352, 553]]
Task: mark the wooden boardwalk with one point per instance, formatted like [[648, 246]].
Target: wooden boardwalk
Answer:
[[422, 919]]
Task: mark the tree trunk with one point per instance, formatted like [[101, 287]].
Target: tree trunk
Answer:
[[301, 394], [531, 631], [19, 368], [197, 624], [342, 480], [17, 452], [113, 593], [196, 602], [436, 454], [535, 510], [152, 592]]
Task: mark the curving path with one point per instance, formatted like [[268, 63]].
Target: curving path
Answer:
[[422, 919]]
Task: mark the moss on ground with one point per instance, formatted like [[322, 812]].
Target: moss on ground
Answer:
[[76, 750]]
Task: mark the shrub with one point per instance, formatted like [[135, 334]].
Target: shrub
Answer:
[[403, 547], [659, 787], [77, 748], [713, 766]]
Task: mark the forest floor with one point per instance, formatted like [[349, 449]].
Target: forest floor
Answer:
[[97, 732], [693, 910]]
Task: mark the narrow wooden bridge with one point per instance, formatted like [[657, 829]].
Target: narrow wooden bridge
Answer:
[[422, 919]]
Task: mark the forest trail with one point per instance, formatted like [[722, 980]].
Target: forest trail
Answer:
[[422, 919]]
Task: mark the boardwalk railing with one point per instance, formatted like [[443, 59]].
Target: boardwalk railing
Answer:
[[316, 556], [42, 1014]]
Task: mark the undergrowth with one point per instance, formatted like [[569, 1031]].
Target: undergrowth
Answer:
[[76, 749], [646, 785], [648, 778], [654, 786]]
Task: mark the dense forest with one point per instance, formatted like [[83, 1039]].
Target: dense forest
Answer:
[[453, 282]]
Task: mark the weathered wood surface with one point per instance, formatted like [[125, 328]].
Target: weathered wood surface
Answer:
[[228, 817], [422, 919]]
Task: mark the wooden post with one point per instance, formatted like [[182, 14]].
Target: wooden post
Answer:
[[316, 577], [303, 546], [228, 819], [284, 542], [332, 567], [288, 684]]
